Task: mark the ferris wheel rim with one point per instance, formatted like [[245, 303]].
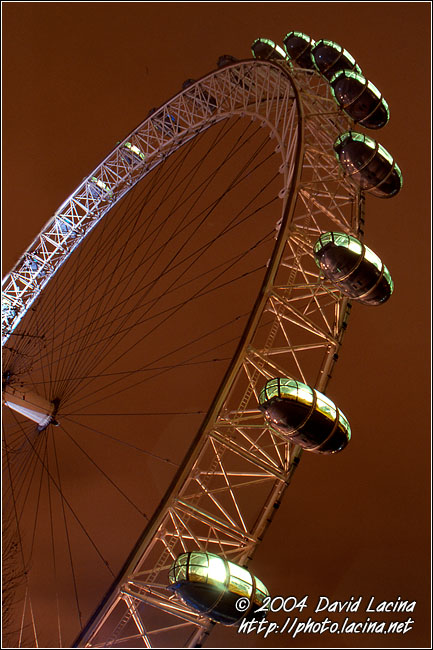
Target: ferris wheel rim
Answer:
[[188, 461], [12, 292], [282, 230]]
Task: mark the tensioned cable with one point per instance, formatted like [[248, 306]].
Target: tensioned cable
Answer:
[[163, 356], [247, 251], [241, 256], [38, 501], [19, 537], [162, 313], [62, 501], [174, 311], [66, 501], [126, 372], [71, 562], [19, 466], [122, 442], [232, 261], [53, 554], [236, 338], [109, 279], [168, 266], [162, 170], [109, 479]]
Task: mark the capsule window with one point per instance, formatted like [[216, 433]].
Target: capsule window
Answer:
[[329, 58], [373, 258], [270, 390], [217, 570], [305, 394], [240, 580], [264, 48], [198, 567], [360, 99], [368, 164], [298, 47], [261, 591], [325, 406], [354, 245], [344, 423], [288, 387], [180, 572], [135, 150], [324, 239]]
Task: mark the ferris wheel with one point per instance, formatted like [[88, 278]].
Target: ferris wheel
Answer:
[[176, 322]]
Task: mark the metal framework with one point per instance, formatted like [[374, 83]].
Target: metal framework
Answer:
[[231, 482], [265, 94]]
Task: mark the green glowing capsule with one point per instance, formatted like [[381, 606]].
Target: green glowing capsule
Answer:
[[368, 165], [304, 416], [360, 99], [266, 50], [353, 268], [99, 189], [135, 150], [298, 47], [212, 585], [329, 58]]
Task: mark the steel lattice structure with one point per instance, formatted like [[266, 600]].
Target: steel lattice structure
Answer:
[[237, 469], [235, 455]]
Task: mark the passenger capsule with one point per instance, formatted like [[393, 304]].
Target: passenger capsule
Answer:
[[329, 58], [202, 96], [165, 123], [353, 268], [226, 59], [266, 50], [368, 164], [212, 586], [65, 226], [304, 416], [298, 47], [99, 189], [132, 154], [360, 99]]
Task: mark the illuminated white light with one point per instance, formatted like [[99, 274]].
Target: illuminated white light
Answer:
[[217, 569]]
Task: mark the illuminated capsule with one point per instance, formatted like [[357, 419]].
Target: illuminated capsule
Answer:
[[132, 154], [298, 47], [265, 49], [368, 164], [360, 99], [329, 58], [304, 416], [99, 189], [212, 585], [353, 268]]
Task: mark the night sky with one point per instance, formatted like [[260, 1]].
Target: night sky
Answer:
[[78, 77]]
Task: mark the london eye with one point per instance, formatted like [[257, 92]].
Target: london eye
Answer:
[[246, 189]]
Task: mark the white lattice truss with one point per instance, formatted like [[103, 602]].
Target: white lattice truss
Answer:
[[237, 469]]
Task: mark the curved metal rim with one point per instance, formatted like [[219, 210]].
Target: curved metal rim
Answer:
[[196, 446], [55, 249]]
